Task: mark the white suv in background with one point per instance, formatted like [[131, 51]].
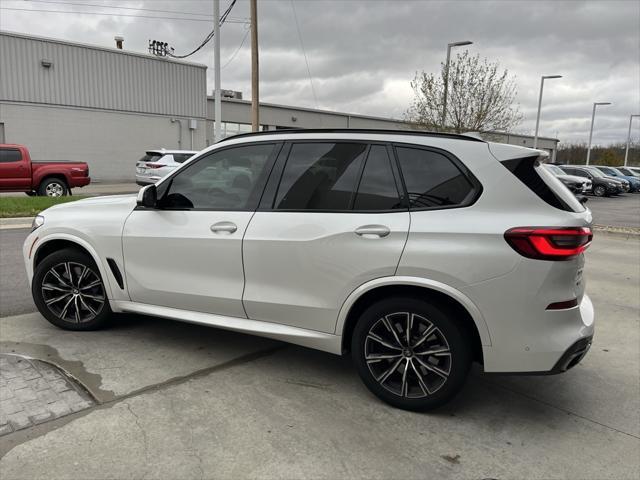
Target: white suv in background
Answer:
[[417, 253], [156, 164]]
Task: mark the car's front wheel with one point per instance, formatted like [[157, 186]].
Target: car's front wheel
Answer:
[[69, 292], [599, 191], [410, 353]]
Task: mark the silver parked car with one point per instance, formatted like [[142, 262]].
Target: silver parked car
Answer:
[[156, 164], [416, 253]]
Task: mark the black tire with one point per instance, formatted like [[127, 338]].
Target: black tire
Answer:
[[30, 194], [435, 390], [84, 309], [53, 187], [599, 191]]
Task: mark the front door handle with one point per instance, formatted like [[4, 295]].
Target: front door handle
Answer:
[[224, 227], [373, 231]]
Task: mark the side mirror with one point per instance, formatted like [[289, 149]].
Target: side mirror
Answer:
[[147, 196], [582, 199]]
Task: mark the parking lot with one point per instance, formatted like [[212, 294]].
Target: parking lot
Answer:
[[176, 400]]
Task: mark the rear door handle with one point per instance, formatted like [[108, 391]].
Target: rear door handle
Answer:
[[224, 227], [372, 231]]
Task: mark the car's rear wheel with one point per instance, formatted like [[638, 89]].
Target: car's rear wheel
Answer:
[[599, 191], [410, 353], [53, 187], [69, 292]]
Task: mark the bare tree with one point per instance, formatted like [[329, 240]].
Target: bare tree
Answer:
[[481, 97]]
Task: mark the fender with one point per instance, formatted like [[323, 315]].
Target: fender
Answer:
[[104, 271], [42, 171], [473, 310]]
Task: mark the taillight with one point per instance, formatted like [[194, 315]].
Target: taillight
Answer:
[[549, 243], [154, 165]]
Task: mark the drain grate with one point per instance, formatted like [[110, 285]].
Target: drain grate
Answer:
[[34, 392]]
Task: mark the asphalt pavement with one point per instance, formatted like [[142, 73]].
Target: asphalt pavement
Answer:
[[15, 296], [175, 400], [619, 211]]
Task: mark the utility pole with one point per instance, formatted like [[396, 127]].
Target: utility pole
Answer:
[[626, 152], [217, 106], [255, 78]]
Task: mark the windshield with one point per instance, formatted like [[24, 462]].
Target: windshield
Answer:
[[555, 170], [596, 173], [610, 171], [629, 172]]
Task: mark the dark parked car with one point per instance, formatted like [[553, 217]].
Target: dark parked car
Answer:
[[630, 171], [602, 185], [634, 183]]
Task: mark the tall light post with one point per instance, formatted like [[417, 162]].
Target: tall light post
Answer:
[[446, 78], [593, 116], [626, 152], [542, 79]]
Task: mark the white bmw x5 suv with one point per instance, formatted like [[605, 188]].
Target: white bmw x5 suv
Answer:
[[417, 253]]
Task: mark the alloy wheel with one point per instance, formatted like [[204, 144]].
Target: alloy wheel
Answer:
[[408, 355], [54, 190], [73, 292]]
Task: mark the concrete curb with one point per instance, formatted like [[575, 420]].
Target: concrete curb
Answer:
[[622, 232], [15, 222]]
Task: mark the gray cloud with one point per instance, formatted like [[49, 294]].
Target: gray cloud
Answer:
[[363, 54]]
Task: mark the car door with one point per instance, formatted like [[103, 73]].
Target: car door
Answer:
[[14, 171], [187, 252], [332, 220]]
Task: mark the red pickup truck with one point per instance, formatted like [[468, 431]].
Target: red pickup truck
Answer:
[[53, 179]]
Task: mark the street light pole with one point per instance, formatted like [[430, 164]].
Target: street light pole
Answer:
[[593, 116], [217, 105], [542, 79], [626, 152], [446, 79]]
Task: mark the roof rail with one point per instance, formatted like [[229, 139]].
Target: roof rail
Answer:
[[356, 130]]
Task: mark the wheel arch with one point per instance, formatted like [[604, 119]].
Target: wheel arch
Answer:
[[57, 176], [54, 243], [434, 291]]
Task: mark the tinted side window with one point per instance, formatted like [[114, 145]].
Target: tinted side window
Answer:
[[377, 189], [10, 155], [230, 179], [320, 176], [432, 180]]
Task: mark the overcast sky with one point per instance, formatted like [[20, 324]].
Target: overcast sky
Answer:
[[363, 54]]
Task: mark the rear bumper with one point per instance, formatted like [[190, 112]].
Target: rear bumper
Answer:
[[562, 340], [144, 180], [77, 182]]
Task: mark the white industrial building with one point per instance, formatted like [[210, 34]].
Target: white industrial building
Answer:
[[71, 101]]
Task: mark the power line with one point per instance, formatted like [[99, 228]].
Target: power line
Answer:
[[313, 90], [117, 7], [246, 34], [119, 15], [223, 18]]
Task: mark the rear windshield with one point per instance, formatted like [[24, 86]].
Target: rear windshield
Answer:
[[150, 157], [543, 183]]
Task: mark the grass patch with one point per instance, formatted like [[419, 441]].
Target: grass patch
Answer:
[[11, 207]]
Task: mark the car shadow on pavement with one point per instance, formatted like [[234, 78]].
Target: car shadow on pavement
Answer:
[[523, 397]]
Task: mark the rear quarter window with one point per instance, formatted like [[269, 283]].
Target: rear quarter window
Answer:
[[433, 180]]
